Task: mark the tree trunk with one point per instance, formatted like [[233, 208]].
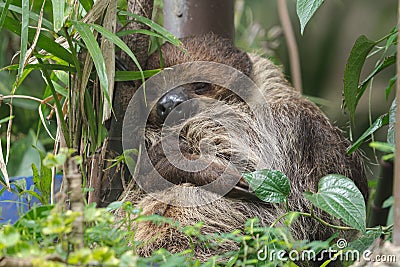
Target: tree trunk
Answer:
[[113, 179]]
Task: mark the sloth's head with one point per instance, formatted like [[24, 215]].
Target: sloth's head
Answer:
[[214, 132], [197, 49]]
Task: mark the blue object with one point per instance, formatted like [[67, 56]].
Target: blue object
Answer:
[[12, 206]]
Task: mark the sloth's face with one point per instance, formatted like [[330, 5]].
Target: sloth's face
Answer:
[[175, 102], [215, 135], [212, 138]]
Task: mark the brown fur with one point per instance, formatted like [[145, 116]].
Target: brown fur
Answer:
[[287, 133]]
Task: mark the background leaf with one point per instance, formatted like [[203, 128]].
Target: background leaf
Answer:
[[378, 123], [305, 10], [352, 72]]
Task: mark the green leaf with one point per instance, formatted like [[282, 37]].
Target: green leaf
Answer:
[[142, 31], [157, 28], [45, 23], [381, 121], [4, 120], [24, 35], [86, 4], [4, 13], [352, 72], [118, 42], [305, 10], [114, 205], [382, 146], [40, 67], [291, 217], [94, 50], [9, 236], [269, 185], [387, 62], [58, 14], [36, 213], [362, 243], [124, 76], [389, 88], [392, 120], [339, 196], [43, 42]]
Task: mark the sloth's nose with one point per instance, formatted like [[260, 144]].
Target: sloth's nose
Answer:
[[171, 101]]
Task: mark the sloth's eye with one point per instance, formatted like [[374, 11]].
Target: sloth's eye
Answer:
[[201, 88]]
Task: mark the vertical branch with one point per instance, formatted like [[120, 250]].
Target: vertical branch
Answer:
[[74, 190], [113, 179], [291, 44], [396, 178]]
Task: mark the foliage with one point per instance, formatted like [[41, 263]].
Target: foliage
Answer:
[[306, 9], [42, 236]]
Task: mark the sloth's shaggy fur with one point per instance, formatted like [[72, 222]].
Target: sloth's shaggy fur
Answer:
[[286, 133]]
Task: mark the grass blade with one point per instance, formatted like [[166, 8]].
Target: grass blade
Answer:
[[94, 50], [118, 42], [24, 35], [4, 13], [157, 28], [43, 42], [33, 16], [381, 121], [58, 14], [125, 76]]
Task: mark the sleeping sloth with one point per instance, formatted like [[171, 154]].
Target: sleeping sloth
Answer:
[[282, 132]]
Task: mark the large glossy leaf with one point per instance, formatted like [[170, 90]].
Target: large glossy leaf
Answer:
[[378, 123], [269, 185], [305, 10], [352, 72], [339, 196]]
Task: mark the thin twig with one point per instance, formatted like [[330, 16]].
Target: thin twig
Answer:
[[291, 44]]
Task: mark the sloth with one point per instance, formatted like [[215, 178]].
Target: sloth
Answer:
[[283, 132]]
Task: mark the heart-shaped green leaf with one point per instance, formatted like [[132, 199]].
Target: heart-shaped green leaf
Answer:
[[339, 196], [269, 185]]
